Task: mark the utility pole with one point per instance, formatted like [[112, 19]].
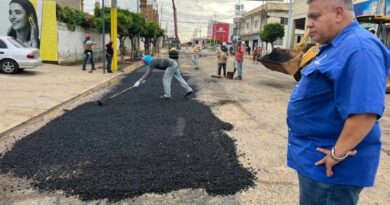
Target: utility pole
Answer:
[[139, 36], [114, 33], [104, 35], [175, 18], [289, 25]]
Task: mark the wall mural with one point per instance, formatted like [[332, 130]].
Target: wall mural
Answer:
[[32, 22]]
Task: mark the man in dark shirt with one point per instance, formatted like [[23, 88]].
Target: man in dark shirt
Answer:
[[109, 54], [171, 70]]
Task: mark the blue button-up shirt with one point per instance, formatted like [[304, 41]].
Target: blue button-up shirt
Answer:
[[347, 77]]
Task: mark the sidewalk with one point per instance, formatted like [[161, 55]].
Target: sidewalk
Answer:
[[28, 96]]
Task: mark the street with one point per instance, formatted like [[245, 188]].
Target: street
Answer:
[[236, 153]]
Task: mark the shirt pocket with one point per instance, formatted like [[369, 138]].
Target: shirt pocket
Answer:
[[313, 83]]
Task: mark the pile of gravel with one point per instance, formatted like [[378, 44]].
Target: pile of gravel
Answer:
[[135, 144]]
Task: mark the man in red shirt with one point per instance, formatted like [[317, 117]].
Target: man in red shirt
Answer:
[[239, 59]]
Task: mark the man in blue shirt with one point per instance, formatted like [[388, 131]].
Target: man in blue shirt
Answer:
[[334, 135]]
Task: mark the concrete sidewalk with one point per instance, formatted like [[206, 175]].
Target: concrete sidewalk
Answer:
[[29, 96]]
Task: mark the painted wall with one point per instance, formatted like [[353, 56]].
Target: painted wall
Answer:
[[71, 53]]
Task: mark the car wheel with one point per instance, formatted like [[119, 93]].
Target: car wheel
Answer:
[[9, 66]]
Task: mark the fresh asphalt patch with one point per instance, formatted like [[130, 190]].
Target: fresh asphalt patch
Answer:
[[134, 144]]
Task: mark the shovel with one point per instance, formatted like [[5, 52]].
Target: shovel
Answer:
[[100, 102]]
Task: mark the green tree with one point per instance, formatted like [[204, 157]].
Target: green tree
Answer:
[[124, 22], [134, 29], [271, 32], [150, 32]]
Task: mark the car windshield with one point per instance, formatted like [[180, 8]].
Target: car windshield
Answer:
[[17, 43]]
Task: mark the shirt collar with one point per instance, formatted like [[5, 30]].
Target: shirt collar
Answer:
[[336, 41]]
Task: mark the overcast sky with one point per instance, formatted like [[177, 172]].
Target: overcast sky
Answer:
[[191, 14]]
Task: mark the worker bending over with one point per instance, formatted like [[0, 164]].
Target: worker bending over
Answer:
[[171, 70]]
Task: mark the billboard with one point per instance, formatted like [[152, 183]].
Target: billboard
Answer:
[[221, 32], [32, 22], [370, 7]]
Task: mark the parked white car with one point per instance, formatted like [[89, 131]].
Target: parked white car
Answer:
[[15, 56]]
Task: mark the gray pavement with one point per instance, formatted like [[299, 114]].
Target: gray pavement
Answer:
[[37, 93]]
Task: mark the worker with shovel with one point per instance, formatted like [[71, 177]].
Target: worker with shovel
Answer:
[[171, 70]]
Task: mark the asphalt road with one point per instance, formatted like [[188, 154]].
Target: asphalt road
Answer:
[[225, 145]]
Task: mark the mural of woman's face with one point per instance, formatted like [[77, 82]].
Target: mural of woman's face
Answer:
[[17, 16]]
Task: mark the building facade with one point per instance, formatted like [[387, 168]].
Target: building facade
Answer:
[[149, 10], [75, 4], [361, 7], [254, 21]]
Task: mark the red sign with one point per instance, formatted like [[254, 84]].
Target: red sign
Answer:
[[221, 32]]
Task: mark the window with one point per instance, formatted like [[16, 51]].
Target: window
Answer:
[[247, 26], [256, 23], [17, 43], [2, 44], [283, 20]]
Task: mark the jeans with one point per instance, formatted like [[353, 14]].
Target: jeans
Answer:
[[195, 60], [108, 63], [88, 55], [313, 192], [239, 67], [170, 72]]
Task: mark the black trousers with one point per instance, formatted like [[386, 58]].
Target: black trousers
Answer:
[[222, 65]]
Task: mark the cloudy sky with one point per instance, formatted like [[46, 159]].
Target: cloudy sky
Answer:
[[192, 14]]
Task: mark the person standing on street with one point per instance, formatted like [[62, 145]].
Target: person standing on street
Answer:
[[109, 54], [88, 53], [222, 57], [333, 130], [239, 59], [171, 70], [195, 54]]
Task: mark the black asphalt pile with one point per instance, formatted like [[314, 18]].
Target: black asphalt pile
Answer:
[[134, 144]]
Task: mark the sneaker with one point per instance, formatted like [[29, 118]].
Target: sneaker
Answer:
[[83, 69], [188, 94], [196, 68], [165, 97], [238, 78]]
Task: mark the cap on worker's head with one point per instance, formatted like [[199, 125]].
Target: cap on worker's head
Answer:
[[147, 59], [87, 36], [173, 49], [224, 43]]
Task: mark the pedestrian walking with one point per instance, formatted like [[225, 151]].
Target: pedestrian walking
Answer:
[[88, 53], [109, 54], [195, 54], [255, 53], [333, 130], [239, 55], [171, 70], [222, 59]]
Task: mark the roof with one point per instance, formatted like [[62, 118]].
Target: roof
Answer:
[[270, 6]]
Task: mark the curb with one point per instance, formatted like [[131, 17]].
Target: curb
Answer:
[[61, 108]]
